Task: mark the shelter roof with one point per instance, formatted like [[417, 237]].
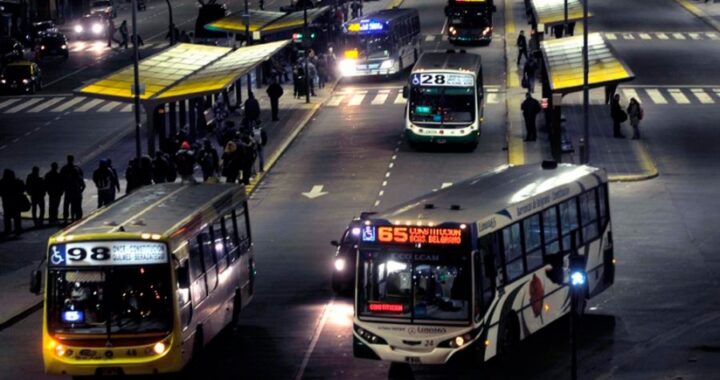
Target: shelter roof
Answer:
[[265, 21], [551, 12]]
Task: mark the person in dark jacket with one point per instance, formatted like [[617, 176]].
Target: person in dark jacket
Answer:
[[521, 44], [529, 73], [159, 168], [55, 188], [11, 191], [252, 110], [618, 116], [116, 181], [132, 176], [530, 108], [103, 179], [185, 162], [274, 91], [231, 162], [35, 187], [74, 181], [145, 171], [208, 160]]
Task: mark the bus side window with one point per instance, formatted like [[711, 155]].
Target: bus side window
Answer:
[[182, 274], [588, 216], [550, 231], [231, 238], [197, 272], [568, 221], [219, 246], [533, 243], [602, 203], [512, 250], [242, 230], [208, 254]]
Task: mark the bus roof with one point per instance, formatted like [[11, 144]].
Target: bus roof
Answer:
[[494, 193], [385, 15], [160, 209], [451, 60]]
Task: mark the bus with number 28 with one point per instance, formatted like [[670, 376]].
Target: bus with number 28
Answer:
[[479, 266], [142, 285]]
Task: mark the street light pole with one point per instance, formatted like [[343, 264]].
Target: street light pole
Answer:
[[136, 80], [565, 25], [306, 37], [172, 24], [248, 42], [586, 88]]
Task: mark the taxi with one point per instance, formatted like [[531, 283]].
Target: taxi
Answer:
[[21, 77]]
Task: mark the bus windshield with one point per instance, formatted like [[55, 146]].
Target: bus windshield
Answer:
[[414, 285], [370, 44], [110, 300], [442, 105]]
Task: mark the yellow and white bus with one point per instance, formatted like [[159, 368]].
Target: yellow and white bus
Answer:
[[479, 266], [140, 286]]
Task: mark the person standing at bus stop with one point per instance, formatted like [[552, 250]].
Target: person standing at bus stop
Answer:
[[530, 108], [11, 193], [618, 116], [522, 46], [274, 91], [35, 185], [74, 182], [55, 188]]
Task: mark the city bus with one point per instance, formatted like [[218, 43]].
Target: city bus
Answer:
[[481, 265], [445, 103], [469, 20], [385, 42], [142, 285]]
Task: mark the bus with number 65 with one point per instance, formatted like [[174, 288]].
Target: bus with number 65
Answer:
[[142, 285]]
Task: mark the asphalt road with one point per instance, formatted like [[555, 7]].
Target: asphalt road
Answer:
[[660, 320]]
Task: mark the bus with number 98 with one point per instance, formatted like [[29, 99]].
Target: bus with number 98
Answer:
[[142, 285], [445, 100]]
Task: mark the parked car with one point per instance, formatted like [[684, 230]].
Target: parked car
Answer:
[[21, 77], [10, 50], [53, 44], [104, 8], [90, 27]]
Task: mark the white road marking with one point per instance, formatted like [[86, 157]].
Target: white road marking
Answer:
[[716, 91], [316, 191], [695, 36], [381, 97], [23, 105], [430, 38], [86, 107], [377, 203], [678, 96], [662, 36], [68, 104], [335, 100], [316, 336], [390, 165], [656, 96], [108, 107], [9, 102], [610, 36], [703, 97], [628, 36], [631, 93], [48, 104], [645, 36], [712, 35], [446, 184], [492, 98], [380, 194], [127, 108], [357, 99], [399, 99], [384, 183], [678, 36]]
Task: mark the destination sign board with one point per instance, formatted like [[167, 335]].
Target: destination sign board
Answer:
[[412, 235]]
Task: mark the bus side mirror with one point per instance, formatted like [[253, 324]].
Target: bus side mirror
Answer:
[[35, 282], [405, 92], [555, 272], [334, 243]]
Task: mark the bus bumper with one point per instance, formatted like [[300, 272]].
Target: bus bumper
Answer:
[[416, 138], [470, 37], [393, 354]]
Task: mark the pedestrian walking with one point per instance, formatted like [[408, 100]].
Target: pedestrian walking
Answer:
[[312, 76], [13, 199], [298, 81], [124, 34], [208, 160], [530, 108], [252, 111], [132, 176], [74, 183], [618, 116], [111, 33], [521, 44], [115, 188], [55, 189], [260, 138], [274, 92], [104, 182], [635, 113], [35, 187], [137, 40], [529, 74], [231, 162], [185, 161]]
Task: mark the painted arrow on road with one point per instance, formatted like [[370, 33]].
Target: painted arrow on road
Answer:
[[315, 192]]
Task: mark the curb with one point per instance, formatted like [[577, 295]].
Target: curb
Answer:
[[646, 161], [20, 315], [700, 13]]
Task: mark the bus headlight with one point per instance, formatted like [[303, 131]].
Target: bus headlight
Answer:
[[487, 30], [347, 67], [78, 28], [339, 264], [452, 30], [387, 64], [159, 348]]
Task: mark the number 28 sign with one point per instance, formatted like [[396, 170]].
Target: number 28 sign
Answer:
[[107, 253], [440, 79]]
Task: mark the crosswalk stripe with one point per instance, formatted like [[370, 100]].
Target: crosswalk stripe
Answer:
[[703, 97], [656, 96], [610, 36], [86, 107], [381, 97], [628, 36], [8, 102], [48, 104], [335, 100], [127, 108], [24, 105], [678, 36], [662, 36], [399, 99], [678, 96], [716, 91], [631, 93], [68, 104], [430, 38], [712, 35], [645, 36], [694, 36], [357, 99], [492, 98], [108, 107]]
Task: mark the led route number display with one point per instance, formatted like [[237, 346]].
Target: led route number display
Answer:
[[108, 253], [412, 235], [454, 80]]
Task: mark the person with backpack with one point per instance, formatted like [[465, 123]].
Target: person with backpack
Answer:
[[618, 116], [55, 188], [35, 187], [104, 181], [159, 168], [185, 162], [74, 181], [635, 113], [208, 160]]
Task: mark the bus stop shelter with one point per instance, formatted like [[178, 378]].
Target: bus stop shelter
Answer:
[[263, 23], [181, 72], [551, 13]]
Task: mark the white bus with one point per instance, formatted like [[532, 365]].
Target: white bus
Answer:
[[479, 266], [381, 43], [445, 104]]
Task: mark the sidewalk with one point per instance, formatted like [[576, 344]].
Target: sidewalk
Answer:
[[624, 159], [708, 11]]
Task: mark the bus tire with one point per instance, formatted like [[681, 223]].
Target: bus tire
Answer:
[[415, 56], [508, 340], [197, 350], [400, 371], [237, 307]]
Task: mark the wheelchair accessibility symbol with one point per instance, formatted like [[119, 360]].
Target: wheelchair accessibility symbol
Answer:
[[58, 255]]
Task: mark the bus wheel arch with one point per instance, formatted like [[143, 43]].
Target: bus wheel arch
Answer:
[[236, 308], [508, 338]]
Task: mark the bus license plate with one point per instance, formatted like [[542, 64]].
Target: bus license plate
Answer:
[[412, 360], [109, 371], [441, 141]]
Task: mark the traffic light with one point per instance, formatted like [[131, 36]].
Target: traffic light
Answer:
[[299, 38]]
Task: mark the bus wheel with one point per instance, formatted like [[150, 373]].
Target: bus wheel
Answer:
[[415, 56], [237, 306], [508, 340], [197, 350], [400, 371]]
